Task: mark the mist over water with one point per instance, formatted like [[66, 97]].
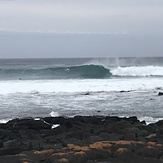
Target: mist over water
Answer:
[[87, 86]]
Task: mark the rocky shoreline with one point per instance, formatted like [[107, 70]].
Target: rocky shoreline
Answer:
[[82, 139]]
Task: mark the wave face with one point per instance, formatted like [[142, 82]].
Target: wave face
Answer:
[[143, 71], [67, 72], [80, 72]]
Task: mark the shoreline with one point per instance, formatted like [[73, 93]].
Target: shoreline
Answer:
[[81, 139], [147, 119]]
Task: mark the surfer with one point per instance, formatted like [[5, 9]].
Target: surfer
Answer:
[[67, 70]]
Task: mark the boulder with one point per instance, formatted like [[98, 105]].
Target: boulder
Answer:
[[129, 136], [122, 152], [160, 94], [28, 124], [1, 143]]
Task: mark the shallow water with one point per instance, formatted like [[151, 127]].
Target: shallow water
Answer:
[[143, 103]]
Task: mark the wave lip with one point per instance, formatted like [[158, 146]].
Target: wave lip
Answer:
[[133, 71]]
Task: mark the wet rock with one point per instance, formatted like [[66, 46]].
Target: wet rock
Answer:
[[142, 133], [147, 151], [1, 143], [111, 136], [28, 124], [79, 157], [93, 139], [82, 139], [159, 135], [10, 150], [9, 159], [55, 120], [130, 133], [129, 136], [91, 161], [160, 94], [75, 134], [133, 119], [124, 91], [3, 126], [87, 93], [122, 152], [96, 154]]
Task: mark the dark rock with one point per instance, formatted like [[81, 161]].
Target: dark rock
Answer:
[[124, 91], [160, 94], [142, 133], [55, 120], [35, 145], [114, 139], [96, 154], [112, 119], [10, 150], [78, 157], [110, 136], [93, 139], [2, 126], [159, 135], [129, 136], [28, 124], [122, 152], [160, 123], [1, 143], [91, 161], [128, 131], [75, 141], [147, 151], [2, 133], [133, 119], [151, 128], [9, 159], [62, 142], [75, 134], [87, 93]]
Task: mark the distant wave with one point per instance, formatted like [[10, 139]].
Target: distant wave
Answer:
[[68, 72], [89, 71], [141, 71]]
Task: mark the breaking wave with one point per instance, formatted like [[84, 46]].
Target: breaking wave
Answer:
[[80, 72], [138, 71], [70, 72]]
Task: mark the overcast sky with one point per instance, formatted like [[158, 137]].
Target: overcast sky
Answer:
[[80, 28]]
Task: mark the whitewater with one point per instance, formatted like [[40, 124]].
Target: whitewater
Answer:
[[69, 87]]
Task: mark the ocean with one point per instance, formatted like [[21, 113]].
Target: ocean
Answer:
[[81, 86]]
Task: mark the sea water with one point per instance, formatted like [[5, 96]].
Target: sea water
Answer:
[[81, 86]]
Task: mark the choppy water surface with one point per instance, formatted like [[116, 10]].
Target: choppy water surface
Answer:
[[84, 88]]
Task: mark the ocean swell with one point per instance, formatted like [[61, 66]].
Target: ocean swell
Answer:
[[70, 72], [80, 72]]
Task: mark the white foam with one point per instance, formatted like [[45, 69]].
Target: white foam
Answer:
[[138, 71], [36, 119], [4, 120], [72, 86], [149, 120], [54, 114], [55, 126]]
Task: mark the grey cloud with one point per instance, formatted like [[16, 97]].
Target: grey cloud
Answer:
[[81, 28], [82, 16]]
